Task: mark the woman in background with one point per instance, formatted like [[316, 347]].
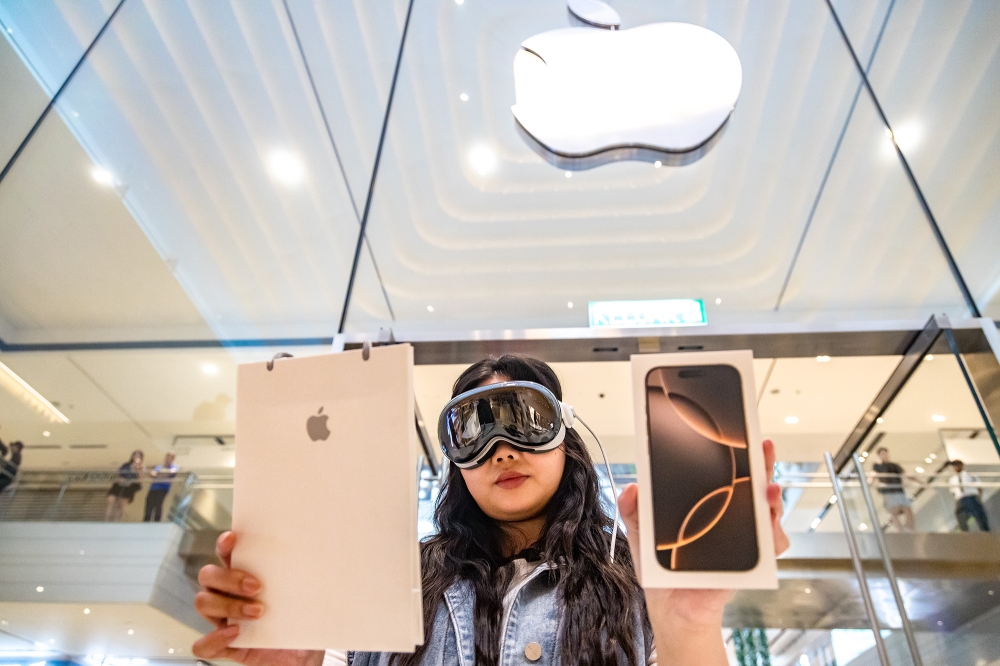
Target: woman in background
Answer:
[[125, 487]]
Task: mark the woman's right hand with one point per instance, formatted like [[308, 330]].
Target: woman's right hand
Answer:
[[229, 594]]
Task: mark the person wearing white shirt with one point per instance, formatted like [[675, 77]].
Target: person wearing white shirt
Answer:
[[967, 490]]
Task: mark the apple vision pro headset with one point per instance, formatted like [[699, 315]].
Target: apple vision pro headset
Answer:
[[525, 415]]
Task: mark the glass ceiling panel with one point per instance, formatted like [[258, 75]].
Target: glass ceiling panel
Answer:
[[473, 230], [936, 76], [202, 118], [869, 252]]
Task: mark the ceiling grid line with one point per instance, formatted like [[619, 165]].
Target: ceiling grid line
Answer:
[[58, 93], [378, 157], [833, 159], [110, 397], [336, 152], [970, 302]]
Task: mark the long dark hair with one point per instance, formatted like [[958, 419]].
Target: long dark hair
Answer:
[[600, 599]]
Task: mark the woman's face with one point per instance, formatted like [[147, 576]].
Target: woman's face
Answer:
[[513, 485], [136, 458]]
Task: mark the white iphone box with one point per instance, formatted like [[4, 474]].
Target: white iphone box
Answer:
[[325, 501], [704, 521]]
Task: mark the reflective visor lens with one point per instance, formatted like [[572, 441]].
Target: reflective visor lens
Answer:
[[523, 415]]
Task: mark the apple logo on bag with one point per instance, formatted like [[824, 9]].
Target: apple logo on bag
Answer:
[[316, 426], [587, 96]]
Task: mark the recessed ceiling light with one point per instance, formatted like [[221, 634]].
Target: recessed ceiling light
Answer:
[[937, 418], [170, 651], [430, 308], [458, 2], [286, 167], [933, 456], [483, 159], [791, 420], [46, 433], [823, 359], [131, 631], [718, 301], [815, 523], [86, 611], [928, 461], [570, 305], [808, 590], [929, 357], [833, 499], [569, 174], [879, 420], [464, 97], [210, 369], [920, 470], [863, 527], [102, 176], [657, 164], [39, 589]]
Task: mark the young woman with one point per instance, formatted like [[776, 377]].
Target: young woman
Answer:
[[520, 567], [125, 487]]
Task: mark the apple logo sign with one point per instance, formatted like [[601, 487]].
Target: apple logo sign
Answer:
[[587, 96], [316, 426]]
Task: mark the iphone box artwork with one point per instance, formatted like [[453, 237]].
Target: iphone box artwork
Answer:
[[325, 501], [704, 521]]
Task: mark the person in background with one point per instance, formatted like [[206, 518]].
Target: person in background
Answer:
[[8, 468], [968, 492], [125, 487], [890, 484], [158, 489]]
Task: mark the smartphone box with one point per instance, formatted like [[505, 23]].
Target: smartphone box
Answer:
[[325, 501], [704, 521]]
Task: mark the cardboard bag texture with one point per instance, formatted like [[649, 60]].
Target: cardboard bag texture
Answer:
[[704, 521], [329, 525]]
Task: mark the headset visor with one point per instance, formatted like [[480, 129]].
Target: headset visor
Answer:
[[525, 414]]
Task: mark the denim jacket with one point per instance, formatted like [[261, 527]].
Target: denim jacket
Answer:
[[534, 617]]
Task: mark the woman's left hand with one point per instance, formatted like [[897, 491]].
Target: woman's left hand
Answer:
[[687, 620]]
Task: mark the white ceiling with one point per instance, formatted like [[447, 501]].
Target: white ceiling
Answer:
[[66, 629], [183, 103]]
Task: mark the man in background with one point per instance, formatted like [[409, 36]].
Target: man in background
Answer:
[[159, 488], [968, 494], [890, 484], [8, 468]]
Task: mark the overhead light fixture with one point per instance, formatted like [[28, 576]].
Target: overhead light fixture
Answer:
[[823, 359], [86, 611], [937, 418], [210, 369], [459, 2], [718, 301], [131, 631], [483, 159], [46, 433], [102, 176], [808, 590], [430, 308], [570, 305], [920, 470], [286, 167], [791, 420], [464, 97], [863, 527], [833, 499], [657, 164], [170, 651], [815, 523], [929, 357], [39, 589], [933, 456], [26, 394], [928, 460], [569, 174], [879, 420]]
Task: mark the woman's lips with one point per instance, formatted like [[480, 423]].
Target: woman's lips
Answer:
[[510, 480]]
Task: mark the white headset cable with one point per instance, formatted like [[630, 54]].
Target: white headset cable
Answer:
[[611, 479]]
